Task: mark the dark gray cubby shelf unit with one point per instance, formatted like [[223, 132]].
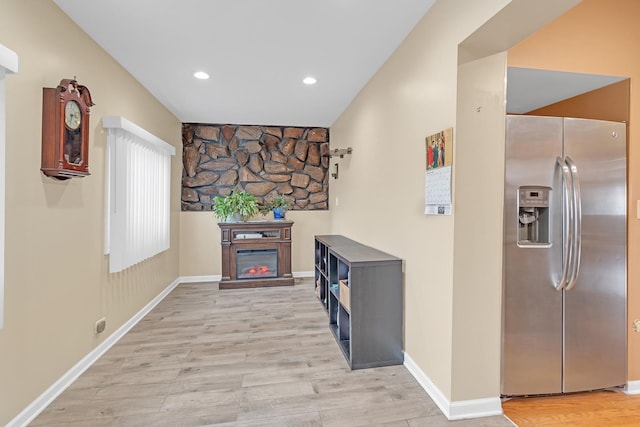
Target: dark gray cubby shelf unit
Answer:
[[366, 319]]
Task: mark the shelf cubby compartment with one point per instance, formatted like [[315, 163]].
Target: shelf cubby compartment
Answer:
[[321, 260], [344, 331], [333, 312], [321, 288]]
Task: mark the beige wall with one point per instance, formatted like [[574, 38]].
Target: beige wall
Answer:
[[411, 97], [477, 269], [200, 251], [452, 263], [601, 37], [57, 283]]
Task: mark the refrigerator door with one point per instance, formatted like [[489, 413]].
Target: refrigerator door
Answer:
[[595, 308], [532, 308]]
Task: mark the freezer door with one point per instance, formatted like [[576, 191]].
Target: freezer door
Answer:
[[532, 308], [595, 308]]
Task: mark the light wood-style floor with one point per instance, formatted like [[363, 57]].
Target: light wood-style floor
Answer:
[[246, 357]]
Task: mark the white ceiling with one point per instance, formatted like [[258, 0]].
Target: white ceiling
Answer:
[[256, 51]]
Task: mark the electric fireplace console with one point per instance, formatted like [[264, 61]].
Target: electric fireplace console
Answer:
[[256, 253]]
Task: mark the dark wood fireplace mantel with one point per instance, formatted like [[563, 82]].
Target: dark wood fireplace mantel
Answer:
[[256, 253]]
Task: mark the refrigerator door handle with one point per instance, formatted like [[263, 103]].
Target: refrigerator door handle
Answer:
[[577, 223], [567, 219]]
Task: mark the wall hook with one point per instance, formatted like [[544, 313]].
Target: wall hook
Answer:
[[334, 174]]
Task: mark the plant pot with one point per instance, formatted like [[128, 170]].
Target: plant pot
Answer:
[[234, 218], [278, 213]]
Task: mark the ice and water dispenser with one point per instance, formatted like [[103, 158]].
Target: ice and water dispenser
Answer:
[[533, 216]]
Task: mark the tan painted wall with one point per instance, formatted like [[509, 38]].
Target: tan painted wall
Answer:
[[411, 97], [600, 37], [452, 316], [479, 195], [57, 283], [200, 251]]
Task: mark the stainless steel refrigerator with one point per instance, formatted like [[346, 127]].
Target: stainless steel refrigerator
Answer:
[[564, 301]]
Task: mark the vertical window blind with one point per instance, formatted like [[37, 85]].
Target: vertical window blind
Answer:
[[138, 183]]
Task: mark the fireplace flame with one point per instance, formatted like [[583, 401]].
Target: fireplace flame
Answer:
[[257, 271]]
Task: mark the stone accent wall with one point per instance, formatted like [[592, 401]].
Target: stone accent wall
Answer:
[[263, 160]]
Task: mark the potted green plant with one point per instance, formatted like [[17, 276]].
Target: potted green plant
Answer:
[[279, 205], [245, 204], [239, 205], [222, 208]]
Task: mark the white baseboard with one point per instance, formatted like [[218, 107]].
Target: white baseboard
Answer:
[[38, 405], [196, 279], [633, 387], [456, 410], [476, 408], [428, 386], [217, 277]]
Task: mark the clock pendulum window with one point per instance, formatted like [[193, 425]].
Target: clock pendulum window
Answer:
[[73, 133], [65, 130]]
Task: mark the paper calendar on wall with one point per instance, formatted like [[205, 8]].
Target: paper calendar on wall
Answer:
[[437, 178]]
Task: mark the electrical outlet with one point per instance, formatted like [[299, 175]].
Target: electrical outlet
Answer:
[[101, 325], [636, 325]]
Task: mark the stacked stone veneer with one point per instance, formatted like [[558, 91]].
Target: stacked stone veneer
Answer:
[[263, 160]]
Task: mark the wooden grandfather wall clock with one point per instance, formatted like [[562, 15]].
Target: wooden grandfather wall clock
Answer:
[[65, 130]]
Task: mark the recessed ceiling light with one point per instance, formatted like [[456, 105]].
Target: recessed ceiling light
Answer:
[[201, 75], [309, 80]]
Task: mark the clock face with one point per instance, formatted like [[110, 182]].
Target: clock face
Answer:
[[72, 115]]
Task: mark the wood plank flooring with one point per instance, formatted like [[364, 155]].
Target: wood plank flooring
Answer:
[[241, 357], [595, 409]]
